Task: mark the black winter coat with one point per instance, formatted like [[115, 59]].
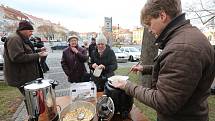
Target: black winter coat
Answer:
[[108, 59]]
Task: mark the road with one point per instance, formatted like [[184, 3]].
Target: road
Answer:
[[55, 56]]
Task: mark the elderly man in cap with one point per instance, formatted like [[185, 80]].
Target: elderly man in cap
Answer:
[[73, 60], [21, 61]]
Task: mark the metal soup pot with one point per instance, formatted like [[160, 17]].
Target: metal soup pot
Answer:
[[78, 111], [41, 100]]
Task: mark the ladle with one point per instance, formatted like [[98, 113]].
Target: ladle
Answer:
[[81, 116]]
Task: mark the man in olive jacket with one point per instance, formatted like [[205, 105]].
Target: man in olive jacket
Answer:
[[184, 70], [21, 63]]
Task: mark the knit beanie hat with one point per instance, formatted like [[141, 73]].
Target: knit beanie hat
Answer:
[[25, 25], [101, 39]]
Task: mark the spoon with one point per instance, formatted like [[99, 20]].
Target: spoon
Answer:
[[135, 65], [81, 116]]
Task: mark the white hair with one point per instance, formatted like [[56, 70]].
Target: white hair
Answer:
[[101, 39]]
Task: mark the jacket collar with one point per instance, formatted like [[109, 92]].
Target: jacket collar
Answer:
[[176, 23], [104, 52], [26, 41]]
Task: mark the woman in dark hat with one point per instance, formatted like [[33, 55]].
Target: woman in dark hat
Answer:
[[73, 60]]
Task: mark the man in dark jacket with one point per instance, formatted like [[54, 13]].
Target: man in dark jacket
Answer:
[[39, 45], [21, 63], [73, 60], [92, 47], [184, 70]]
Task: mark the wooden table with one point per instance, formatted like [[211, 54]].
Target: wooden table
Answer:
[[135, 114]]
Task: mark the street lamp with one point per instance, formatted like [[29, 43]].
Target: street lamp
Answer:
[[118, 33]]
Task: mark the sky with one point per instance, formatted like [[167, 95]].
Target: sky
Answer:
[[83, 15]]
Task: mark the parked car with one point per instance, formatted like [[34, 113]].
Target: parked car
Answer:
[[213, 43], [132, 52], [213, 89], [138, 47], [213, 84], [120, 56], [59, 45], [1, 55]]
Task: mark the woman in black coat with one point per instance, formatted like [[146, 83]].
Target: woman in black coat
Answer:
[[103, 58]]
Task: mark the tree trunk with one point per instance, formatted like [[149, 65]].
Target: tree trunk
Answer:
[[148, 52]]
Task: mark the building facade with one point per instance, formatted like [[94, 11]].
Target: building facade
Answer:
[[138, 35]]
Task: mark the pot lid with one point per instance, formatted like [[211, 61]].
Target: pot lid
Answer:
[[37, 84], [105, 108]]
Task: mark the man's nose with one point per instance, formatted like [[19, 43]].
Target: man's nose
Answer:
[[150, 31]]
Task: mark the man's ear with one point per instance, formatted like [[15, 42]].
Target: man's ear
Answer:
[[164, 17]]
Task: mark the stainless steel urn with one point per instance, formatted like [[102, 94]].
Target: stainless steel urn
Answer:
[[41, 100]]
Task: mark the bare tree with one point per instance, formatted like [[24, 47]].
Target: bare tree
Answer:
[[10, 28], [203, 11], [109, 37], [148, 52], [72, 33], [62, 34], [47, 31]]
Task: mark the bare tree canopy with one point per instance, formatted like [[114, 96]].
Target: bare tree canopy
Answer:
[[72, 32], [148, 52], [202, 10], [47, 31]]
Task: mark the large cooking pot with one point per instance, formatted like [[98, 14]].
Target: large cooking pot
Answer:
[[78, 111], [41, 100]]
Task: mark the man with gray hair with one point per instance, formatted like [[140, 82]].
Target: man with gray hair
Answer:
[[183, 72]]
